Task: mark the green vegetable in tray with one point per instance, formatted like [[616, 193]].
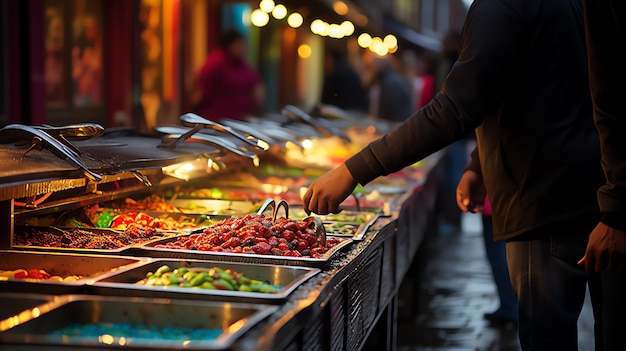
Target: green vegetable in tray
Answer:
[[211, 279]]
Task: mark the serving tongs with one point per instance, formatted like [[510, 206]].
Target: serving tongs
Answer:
[[321, 125], [66, 133], [312, 222], [174, 135], [198, 123], [40, 139]]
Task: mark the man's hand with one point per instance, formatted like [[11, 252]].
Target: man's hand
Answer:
[[328, 191], [606, 249], [470, 192]]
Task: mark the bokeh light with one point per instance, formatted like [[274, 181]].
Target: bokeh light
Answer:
[[267, 5], [304, 51], [340, 8], [279, 12], [259, 18], [295, 20], [364, 40]]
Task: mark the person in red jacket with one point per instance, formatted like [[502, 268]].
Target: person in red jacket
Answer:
[[229, 86]]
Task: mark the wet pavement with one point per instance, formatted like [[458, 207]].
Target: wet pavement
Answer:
[[443, 300]]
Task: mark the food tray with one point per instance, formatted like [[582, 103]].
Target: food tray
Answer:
[[288, 277], [93, 231], [215, 207], [331, 221], [233, 319], [13, 304], [149, 250], [62, 264]]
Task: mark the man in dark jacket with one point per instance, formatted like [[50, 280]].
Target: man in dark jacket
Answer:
[[606, 251], [521, 82]]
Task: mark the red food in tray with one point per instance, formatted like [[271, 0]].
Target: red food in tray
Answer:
[[256, 234]]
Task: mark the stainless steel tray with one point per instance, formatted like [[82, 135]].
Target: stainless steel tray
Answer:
[[94, 231], [62, 264], [347, 218], [288, 277], [233, 319], [149, 250], [13, 304], [215, 207]]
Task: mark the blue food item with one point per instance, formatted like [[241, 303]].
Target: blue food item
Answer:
[[102, 332]]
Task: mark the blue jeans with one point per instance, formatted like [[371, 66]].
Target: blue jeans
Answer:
[[496, 255], [550, 286]]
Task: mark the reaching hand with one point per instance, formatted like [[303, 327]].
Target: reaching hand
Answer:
[[328, 191], [470, 192], [606, 249]]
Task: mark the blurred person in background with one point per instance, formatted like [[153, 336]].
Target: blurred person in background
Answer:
[[389, 93], [228, 86], [605, 257], [342, 85], [521, 84], [424, 81]]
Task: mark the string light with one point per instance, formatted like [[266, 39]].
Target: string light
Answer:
[[267, 5], [279, 12], [364, 40], [295, 20], [259, 18]]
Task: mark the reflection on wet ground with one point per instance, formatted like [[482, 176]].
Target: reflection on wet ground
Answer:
[[442, 302]]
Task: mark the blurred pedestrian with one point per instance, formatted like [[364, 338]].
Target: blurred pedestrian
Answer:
[[342, 85], [389, 92], [605, 256], [521, 83], [229, 86]]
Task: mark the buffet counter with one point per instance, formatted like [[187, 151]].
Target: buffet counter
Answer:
[[323, 295]]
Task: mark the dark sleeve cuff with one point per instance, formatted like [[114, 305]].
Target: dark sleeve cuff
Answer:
[[364, 166], [615, 220]]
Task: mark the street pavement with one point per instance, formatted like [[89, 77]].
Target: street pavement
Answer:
[[443, 298]]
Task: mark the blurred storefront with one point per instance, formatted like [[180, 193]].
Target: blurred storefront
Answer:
[[134, 63]]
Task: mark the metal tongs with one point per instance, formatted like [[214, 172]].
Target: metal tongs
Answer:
[[198, 123], [41, 139], [174, 135], [312, 222], [321, 125]]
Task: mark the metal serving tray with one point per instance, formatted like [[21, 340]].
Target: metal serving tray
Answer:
[[333, 221], [13, 304], [123, 283], [215, 207], [149, 250], [233, 319], [93, 231], [62, 264]]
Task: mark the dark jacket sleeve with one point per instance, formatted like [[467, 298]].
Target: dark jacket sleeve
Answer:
[[492, 40], [607, 71]]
